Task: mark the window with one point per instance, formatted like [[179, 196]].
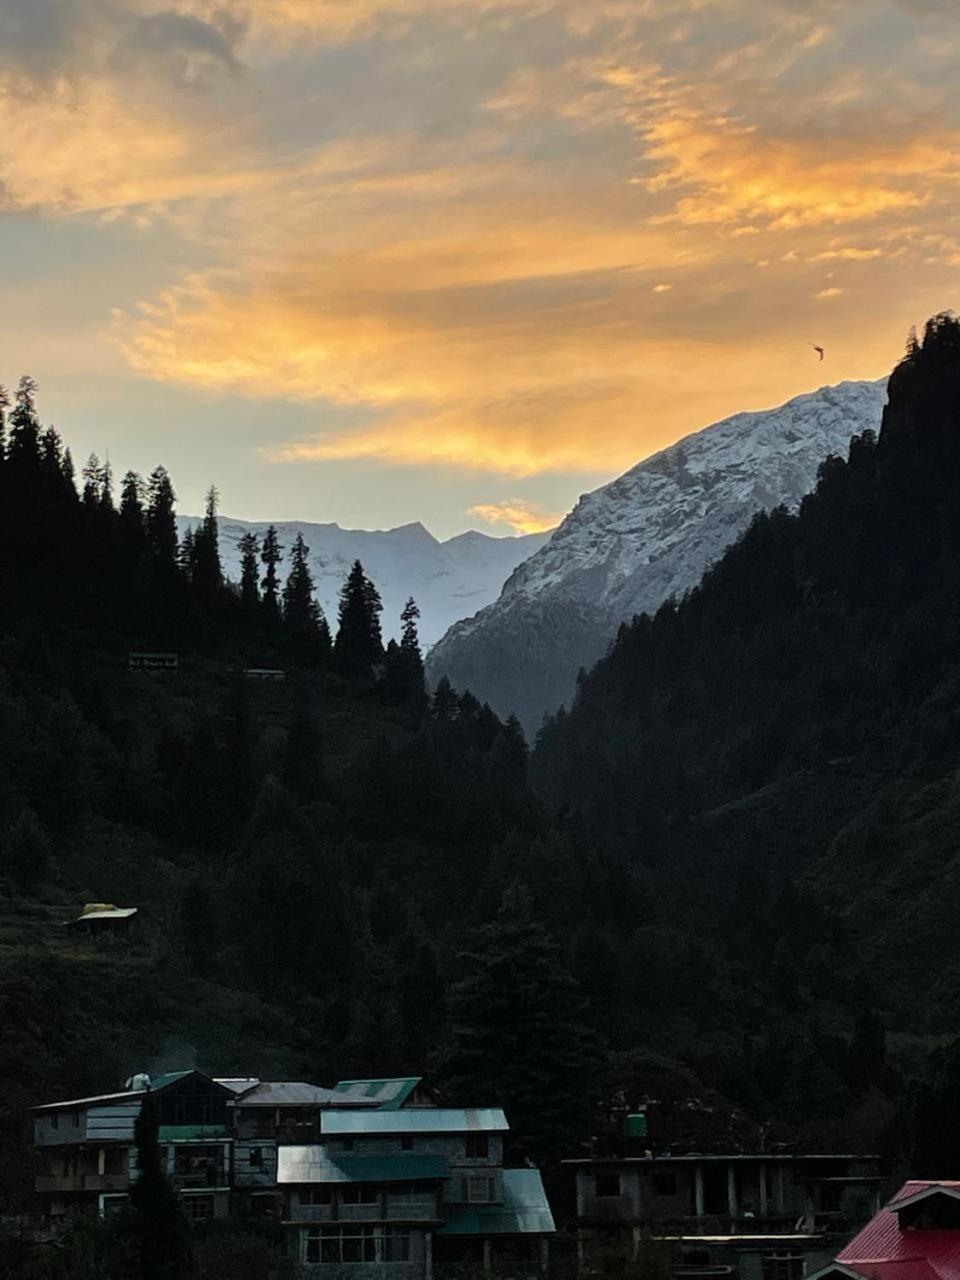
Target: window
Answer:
[[412, 1195], [664, 1184], [316, 1195], [478, 1146], [359, 1195], [55, 1120], [608, 1185], [478, 1190], [782, 1265], [344, 1244], [199, 1208], [255, 1157], [398, 1245]]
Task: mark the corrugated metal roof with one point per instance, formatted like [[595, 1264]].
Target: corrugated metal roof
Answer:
[[415, 1120], [285, 1093], [83, 1102], [103, 911], [315, 1164], [525, 1210], [169, 1077], [882, 1251], [238, 1084], [389, 1094]]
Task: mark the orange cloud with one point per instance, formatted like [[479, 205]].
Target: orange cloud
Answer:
[[521, 517]]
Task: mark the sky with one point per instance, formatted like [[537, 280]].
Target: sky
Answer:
[[377, 261]]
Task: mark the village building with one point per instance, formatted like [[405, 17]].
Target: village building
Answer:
[[371, 1173], [405, 1190], [915, 1236], [755, 1217], [103, 917], [89, 1159]]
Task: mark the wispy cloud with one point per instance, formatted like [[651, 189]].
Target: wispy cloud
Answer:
[[521, 517]]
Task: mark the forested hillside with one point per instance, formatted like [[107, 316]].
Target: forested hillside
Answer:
[[731, 872]]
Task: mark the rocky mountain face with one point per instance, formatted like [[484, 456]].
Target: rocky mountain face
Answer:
[[449, 580], [647, 536]]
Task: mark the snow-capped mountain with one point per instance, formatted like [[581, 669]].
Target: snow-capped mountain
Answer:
[[448, 580], [630, 545]]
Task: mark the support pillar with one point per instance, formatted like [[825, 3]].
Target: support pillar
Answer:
[[732, 1207], [101, 1161], [698, 1190], [764, 1192], [487, 1257], [428, 1255], [544, 1254]]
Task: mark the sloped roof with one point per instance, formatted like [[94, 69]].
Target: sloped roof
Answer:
[[883, 1251], [162, 1081], [315, 1164], [525, 1210], [415, 1120], [285, 1093], [103, 911], [388, 1094]]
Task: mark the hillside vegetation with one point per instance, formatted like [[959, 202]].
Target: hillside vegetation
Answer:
[[725, 885]]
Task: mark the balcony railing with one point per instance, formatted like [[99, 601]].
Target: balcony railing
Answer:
[[61, 1183]]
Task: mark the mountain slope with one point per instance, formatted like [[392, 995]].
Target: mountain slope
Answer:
[[797, 719], [448, 580], [637, 541]]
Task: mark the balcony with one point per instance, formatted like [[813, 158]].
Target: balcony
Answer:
[[204, 1180], [62, 1184]]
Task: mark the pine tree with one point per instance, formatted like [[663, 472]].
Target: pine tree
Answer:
[[207, 569], [303, 620], [187, 554], [161, 1243], [161, 524], [23, 449], [131, 503], [90, 492], [106, 485], [271, 554], [403, 664], [359, 644], [25, 853], [519, 1033], [249, 573]]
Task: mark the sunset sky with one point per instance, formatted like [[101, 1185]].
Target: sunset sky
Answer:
[[375, 262]]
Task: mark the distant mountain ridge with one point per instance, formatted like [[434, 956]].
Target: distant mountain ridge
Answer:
[[448, 579], [647, 536]]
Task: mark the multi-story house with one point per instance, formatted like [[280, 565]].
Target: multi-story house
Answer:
[[370, 1174], [87, 1152], [399, 1191], [915, 1236], [755, 1217]]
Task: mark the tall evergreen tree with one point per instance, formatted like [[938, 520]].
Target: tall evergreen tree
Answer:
[[250, 572], [403, 666], [271, 554], [161, 1244], [4, 406], [519, 1033], [90, 494], [359, 644], [23, 448], [303, 620], [207, 569], [161, 524], [106, 485], [131, 503]]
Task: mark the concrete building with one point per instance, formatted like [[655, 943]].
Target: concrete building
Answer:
[[755, 1217], [369, 1175]]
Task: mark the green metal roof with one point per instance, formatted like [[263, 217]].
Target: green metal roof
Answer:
[[414, 1120], [298, 1164], [190, 1132], [525, 1210], [167, 1077], [389, 1094]]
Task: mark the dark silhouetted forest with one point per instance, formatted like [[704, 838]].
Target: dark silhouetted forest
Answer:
[[723, 885]]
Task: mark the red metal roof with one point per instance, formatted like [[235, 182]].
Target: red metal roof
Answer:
[[882, 1251]]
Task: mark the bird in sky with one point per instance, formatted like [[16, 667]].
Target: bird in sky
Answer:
[[820, 351]]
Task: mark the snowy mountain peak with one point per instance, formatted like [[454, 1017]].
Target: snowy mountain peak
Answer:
[[640, 539], [447, 579]]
